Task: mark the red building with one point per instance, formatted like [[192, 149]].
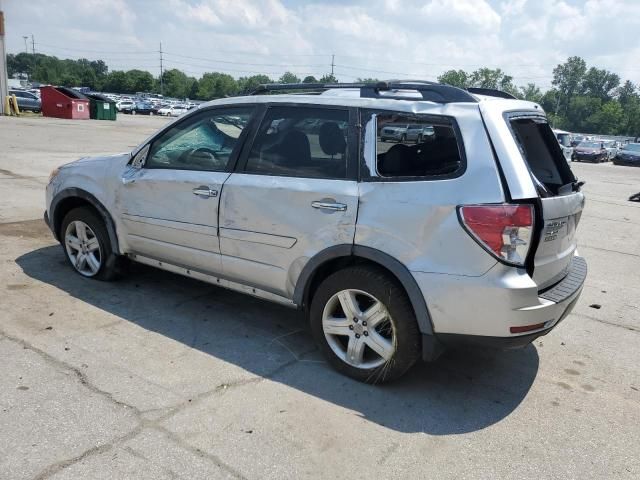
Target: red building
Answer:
[[64, 102]]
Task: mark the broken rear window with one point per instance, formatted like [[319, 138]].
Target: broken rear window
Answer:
[[541, 151]]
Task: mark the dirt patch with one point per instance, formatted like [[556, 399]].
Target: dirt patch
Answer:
[[26, 228], [15, 176]]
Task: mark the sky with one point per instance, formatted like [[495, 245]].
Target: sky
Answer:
[[369, 38]]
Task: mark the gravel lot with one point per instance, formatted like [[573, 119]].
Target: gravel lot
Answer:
[[157, 376]]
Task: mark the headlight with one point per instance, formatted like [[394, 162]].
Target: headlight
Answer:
[[54, 174]]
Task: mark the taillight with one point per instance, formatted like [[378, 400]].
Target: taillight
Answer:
[[503, 230]]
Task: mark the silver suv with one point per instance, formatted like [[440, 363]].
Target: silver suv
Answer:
[[394, 251]]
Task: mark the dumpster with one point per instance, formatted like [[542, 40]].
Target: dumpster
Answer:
[[101, 107], [62, 102]]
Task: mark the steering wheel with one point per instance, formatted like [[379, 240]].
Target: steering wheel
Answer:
[[205, 150], [195, 153]]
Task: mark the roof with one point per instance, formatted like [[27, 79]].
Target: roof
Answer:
[[350, 97]]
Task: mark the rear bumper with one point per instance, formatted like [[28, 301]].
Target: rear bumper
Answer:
[[482, 310]]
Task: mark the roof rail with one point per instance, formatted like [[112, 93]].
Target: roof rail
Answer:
[[491, 92], [429, 91]]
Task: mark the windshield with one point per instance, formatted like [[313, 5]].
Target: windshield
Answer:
[[633, 147], [590, 145]]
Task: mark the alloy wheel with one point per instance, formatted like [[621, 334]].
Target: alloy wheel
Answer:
[[83, 248], [359, 329]]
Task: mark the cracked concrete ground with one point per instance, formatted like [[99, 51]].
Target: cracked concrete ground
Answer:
[[157, 376]]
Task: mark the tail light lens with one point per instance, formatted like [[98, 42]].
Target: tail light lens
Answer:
[[503, 230]]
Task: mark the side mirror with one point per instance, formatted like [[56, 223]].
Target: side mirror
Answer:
[[140, 158]]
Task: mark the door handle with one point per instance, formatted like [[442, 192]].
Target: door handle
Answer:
[[128, 180], [204, 191], [324, 205]]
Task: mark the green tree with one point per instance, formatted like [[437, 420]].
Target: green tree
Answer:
[[626, 93], [216, 85], [493, 78], [116, 82], [531, 93], [328, 78], [368, 80], [607, 120], [288, 77], [567, 79], [139, 81], [175, 83], [310, 79], [600, 84], [456, 78], [578, 113], [247, 84]]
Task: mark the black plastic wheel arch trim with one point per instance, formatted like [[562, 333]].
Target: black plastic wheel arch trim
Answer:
[[73, 192], [400, 271]]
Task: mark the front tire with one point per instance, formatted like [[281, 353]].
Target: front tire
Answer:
[[87, 246], [364, 324]]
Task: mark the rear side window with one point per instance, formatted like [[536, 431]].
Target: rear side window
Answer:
[[408, 146], [541, 151], [308, 142]]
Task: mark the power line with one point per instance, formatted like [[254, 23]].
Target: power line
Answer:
[[140, 52], [215, 60]]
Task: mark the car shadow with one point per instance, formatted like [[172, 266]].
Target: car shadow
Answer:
[[464, 391]]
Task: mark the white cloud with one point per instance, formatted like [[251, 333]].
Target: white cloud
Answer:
[[374, 38]]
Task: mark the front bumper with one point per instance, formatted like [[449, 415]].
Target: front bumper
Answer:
[[586, 157], [48, 222], [482, 310]]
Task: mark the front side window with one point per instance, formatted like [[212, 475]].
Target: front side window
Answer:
[[308, 142], [413, 146], [204, 141]]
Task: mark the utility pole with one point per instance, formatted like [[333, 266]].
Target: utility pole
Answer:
[[3, 65], [33, 51], [333, 57], [161, 81], [26, 51]]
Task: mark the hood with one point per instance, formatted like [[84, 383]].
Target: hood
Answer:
[[587, 150], [101, 159], [629, 153]]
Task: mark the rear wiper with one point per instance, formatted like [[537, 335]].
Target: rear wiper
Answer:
[[570, 187]]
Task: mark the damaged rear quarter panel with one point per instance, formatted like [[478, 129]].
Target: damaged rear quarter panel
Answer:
[[416, 221]]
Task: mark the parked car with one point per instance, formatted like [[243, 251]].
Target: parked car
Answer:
[[125, 106], [576, 139], [393, 253], [590, 151], [395, 133], [144, 108], [611, 146], [629, 155], [172, 110], [417, 133], [564, 139], [27, 101]]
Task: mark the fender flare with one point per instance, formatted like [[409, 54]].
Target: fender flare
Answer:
[[73, 192], [399, 270]]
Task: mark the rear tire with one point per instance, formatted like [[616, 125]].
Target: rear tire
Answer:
[[87, 247], [364, 324]]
